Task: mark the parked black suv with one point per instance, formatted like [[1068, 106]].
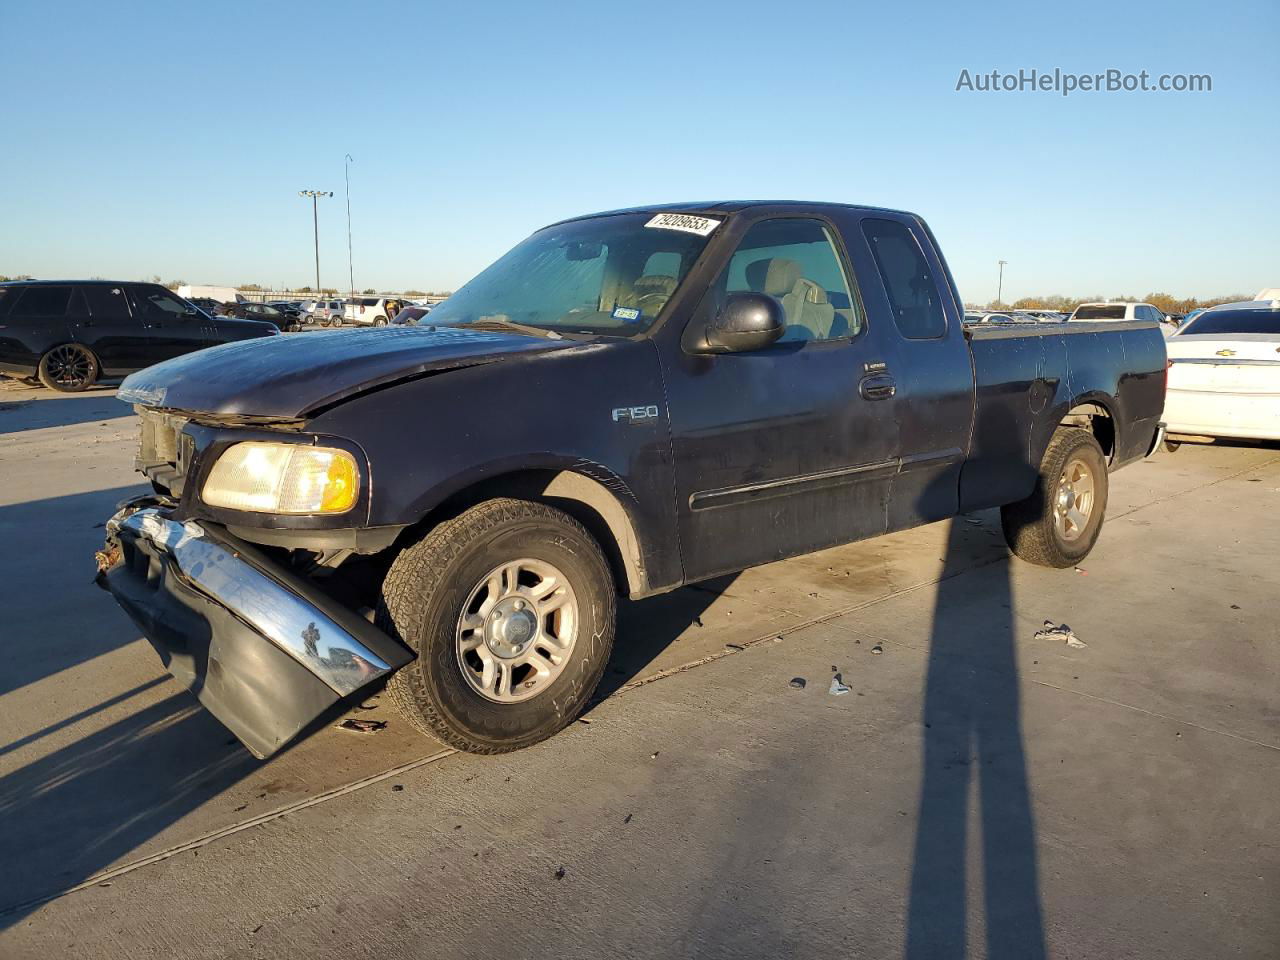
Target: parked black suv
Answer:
[[68, 333]]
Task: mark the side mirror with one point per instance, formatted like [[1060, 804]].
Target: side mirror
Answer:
[[747, 321]]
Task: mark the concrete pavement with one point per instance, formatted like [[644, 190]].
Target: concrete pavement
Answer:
[[978, 792]]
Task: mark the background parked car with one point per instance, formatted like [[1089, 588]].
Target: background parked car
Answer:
[[263, 311], [323, 312], [1224, 373], [69, 333], [207, 304], [371, 311]]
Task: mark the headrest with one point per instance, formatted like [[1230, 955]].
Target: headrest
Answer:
[[654, 283], [776, 276]]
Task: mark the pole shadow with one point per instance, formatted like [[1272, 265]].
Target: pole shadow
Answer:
[[973, 745]]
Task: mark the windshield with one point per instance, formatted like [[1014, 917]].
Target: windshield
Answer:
[[603, 275], [1219, 323], [1100, 312]]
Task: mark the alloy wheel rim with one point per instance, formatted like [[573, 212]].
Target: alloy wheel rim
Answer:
[[1073, 503], [517, 630], [69, 367]]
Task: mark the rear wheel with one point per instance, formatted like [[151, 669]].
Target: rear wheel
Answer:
[[1059, 523], [380, 321], [510, 607], [69, 368]]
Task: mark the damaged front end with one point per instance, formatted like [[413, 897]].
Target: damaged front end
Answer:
[[263, 649]]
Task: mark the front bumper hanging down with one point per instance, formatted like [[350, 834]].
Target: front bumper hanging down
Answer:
[[264, 650]]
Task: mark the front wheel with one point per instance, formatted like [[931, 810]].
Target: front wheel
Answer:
[[69, 368], [510, 607], [1059, 523], [380, 322]]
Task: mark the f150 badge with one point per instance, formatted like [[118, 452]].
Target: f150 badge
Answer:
[[635, 414]]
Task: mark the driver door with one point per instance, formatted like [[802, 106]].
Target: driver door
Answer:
[[793, 447]]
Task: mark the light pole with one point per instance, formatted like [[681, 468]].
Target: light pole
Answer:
[[1000, 284], [315, 196], [351, 272]]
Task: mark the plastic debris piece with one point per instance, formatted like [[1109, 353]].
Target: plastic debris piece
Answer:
[[1082, 571], [877, 649], [627, 818], [560, 873], [735, 647], [397, 787], [837, 688], [798, 682], [1060, 631], [362, 726], [654, 755]]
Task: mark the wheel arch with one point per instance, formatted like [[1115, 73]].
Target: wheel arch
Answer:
[[1094, 413], [597, 506]]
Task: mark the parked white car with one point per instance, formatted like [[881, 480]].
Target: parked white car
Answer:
[[371, 311], [1224, 373]]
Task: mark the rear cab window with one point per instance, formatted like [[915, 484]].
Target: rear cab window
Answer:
[[908, 282], [1102, 311]]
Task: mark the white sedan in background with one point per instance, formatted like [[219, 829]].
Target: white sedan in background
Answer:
[[1224, 373]]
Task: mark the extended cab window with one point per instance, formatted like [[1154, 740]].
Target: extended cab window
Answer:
[[908, 281], [43, 302], [610, 274], [796, 262], [1102, 311]]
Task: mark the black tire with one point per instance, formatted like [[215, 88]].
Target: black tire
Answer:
[[423, 597], [69, 368], [380, 321], [1031, 526]]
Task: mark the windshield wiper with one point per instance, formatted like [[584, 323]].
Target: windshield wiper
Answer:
[[492, 323]]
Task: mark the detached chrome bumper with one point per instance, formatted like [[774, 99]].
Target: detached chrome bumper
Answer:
[[262, 648]]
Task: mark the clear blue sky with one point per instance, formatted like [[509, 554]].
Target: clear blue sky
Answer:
[[172, 139]]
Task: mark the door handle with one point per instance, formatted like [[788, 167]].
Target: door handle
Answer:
[[879, 387]]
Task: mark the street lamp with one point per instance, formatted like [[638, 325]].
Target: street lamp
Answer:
[[351, 273], [315, 195], [1000, 283]]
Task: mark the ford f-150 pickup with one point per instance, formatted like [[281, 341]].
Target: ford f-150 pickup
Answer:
[[625, 402]]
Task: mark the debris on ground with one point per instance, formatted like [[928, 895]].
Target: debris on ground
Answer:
[[654, 755], [397, 787], [1082, 571], [837, 688], [1235, 606], [370, 704], [627, 818], [362, 726], [877, 649], [735, 647], [798, 682], [1060, 631], [584, 720], [560, 873], [976, 521]]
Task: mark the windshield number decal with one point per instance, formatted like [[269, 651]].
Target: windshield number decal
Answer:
[[683, 222]]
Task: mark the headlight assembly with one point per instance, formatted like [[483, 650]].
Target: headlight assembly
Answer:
[[283, 478]]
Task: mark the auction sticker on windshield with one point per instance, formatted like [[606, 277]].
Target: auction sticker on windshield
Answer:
[[702, 226]]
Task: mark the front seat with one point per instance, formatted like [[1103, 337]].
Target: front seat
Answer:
[[810, 316]]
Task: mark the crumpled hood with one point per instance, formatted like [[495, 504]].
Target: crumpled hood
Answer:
[[292, 376]]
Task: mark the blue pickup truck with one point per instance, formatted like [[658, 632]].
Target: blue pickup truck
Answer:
[[624, 403]]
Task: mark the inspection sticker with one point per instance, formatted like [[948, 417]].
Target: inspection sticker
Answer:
[[626, 313], [683, 222]]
